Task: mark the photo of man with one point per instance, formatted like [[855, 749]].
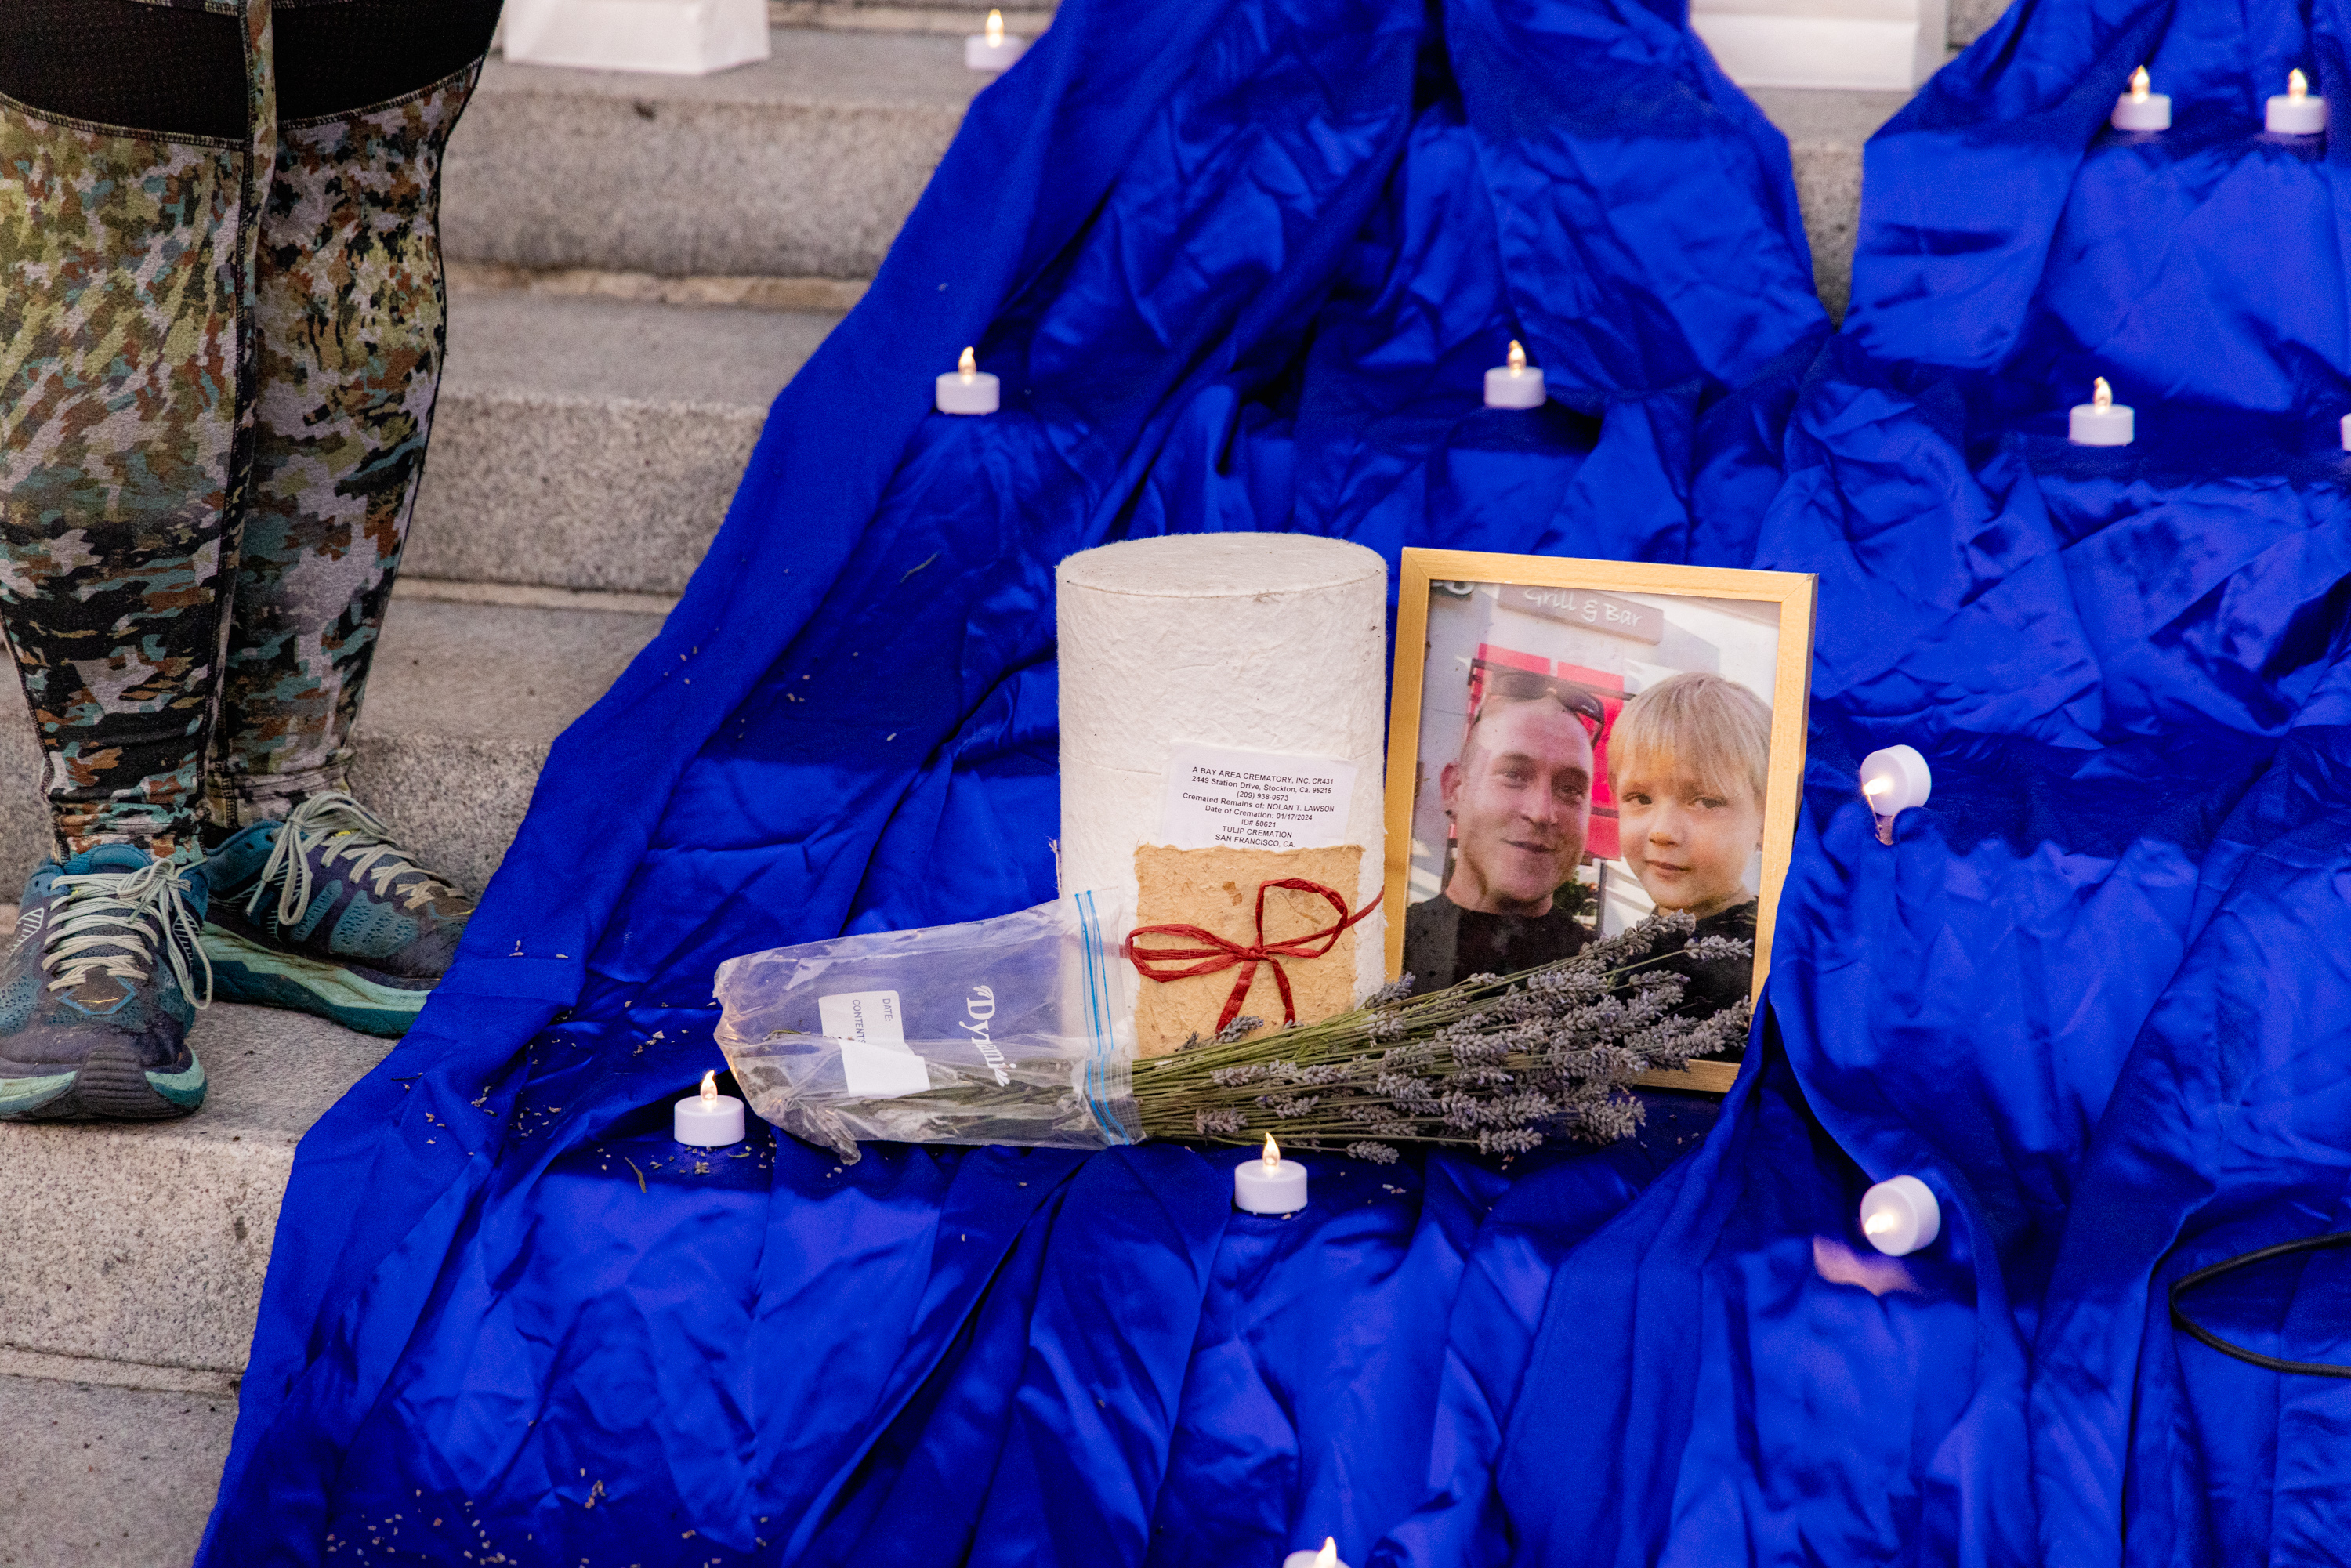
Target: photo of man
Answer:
[[1584, 760], [1519, 799]]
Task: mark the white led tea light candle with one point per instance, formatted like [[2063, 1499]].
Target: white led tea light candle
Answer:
[[967, 389], [992, 49], [1327, 1557], [1515, 384], [1270, 1184], [2139, 110], [1900, 1215], [2103, 421], [2295, 112], [2346, 433], [1893, 781], [709, 1120]]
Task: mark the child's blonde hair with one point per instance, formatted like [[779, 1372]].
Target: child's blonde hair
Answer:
[[1704, 727]]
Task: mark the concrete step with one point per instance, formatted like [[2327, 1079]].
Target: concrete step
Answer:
[[891, 17], [132, 1254], [137, 1252], [805, 165], [131, 1257], [1966, 19], [464, 701], [1825, 132], [584, 443], [100, 1477]]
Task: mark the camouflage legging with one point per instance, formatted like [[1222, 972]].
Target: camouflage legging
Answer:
[[221, 326]]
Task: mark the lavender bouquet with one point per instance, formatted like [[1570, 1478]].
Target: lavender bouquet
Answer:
[[1496, 1063], [939, 1054]]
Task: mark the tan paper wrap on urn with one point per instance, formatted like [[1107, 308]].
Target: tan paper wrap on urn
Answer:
[[1266, 643]]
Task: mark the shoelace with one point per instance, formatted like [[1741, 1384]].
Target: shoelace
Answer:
[[338, 828], [134, 910]]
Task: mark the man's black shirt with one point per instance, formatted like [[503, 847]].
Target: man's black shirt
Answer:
[[1443, 943]]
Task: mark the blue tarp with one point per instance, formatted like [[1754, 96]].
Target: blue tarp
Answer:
[[1241, 265]]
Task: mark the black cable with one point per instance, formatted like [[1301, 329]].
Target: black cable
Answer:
[[2245, 1260]]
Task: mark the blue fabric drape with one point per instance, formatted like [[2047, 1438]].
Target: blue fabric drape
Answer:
[[1241, 266], [2094, 996]]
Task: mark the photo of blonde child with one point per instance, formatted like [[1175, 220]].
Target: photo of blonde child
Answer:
[[1689, 762]]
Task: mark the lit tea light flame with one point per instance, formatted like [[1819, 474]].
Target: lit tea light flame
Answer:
[[969, 364], [2139, 85], [1328, 1556], [2101, 395], [1518, 360], [1877, 786], [1272, 1152], [995, 41], [2296, 84], [1882, 1223], [710, 1087]]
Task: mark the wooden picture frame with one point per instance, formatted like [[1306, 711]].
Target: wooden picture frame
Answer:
[[1600, 631]]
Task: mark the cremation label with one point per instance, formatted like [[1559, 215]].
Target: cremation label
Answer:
[[871, 1031], [1256, 800]]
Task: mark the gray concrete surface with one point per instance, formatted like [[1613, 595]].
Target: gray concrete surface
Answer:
[[1825, 132], [461, 705], [889, 16], [94, 1477], [146, 1244], [803, 165], [1968, 20], [453, 742], [594, 444]]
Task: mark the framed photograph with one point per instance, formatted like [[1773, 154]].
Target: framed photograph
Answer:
[[1576, 744]]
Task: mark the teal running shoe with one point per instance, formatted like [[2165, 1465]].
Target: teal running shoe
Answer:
[[325, 913], [97, 995]]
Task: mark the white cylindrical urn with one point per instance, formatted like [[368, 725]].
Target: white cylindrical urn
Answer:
[[1266, 643]]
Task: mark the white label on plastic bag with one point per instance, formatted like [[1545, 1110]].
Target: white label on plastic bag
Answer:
[[1256, 800], [872, 1035]]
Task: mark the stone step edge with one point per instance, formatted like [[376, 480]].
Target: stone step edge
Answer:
[[527, 596], [1965, 21], [964, 20], [817, 296], [49, 1367]]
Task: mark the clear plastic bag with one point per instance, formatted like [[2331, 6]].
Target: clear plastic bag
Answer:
[[1013, 1030]]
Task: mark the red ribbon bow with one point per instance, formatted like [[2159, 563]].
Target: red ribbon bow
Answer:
[[1222, 954]]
